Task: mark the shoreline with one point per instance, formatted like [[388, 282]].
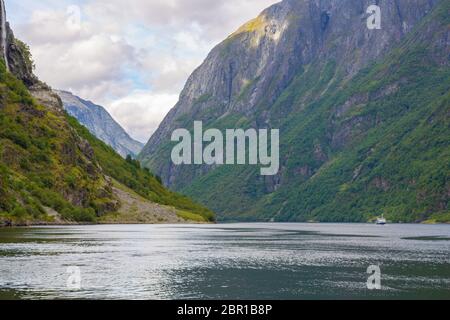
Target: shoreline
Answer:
[[6, 225], [71, 223]]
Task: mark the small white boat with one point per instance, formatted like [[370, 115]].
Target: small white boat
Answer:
[[381, 221]]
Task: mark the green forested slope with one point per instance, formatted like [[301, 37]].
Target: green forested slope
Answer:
[[351, 149], [49, 163]]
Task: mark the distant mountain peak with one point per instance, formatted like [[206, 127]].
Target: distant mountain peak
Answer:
[[100, 123]]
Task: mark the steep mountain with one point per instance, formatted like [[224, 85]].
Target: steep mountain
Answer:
[[363, 114], [52, 170], [100, 124]]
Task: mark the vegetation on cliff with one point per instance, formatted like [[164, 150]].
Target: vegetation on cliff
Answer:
[[50, 164], [354, 145]]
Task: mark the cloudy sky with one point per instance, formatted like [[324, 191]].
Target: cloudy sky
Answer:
[[134, 56]]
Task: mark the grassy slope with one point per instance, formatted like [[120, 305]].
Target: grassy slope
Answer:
[[396, 161], [143, 182], [42, 164]]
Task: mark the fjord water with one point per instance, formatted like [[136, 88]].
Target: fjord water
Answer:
[[230, 261]]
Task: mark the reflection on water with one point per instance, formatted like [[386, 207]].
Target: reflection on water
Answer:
[[235, 261]]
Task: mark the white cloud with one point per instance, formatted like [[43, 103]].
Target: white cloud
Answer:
[[82, 59], [132, 56], [141, 112]]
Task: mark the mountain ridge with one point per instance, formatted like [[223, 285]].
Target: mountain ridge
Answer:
[[100, 123], [300, 66]]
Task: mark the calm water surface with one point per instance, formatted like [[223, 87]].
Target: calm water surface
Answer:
[[231, 261]]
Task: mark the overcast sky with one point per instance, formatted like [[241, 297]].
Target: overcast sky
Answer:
[[134, 56]]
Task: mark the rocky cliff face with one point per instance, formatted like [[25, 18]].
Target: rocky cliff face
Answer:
[[289, 69], [18, 61], [100, 124], [257, 62]]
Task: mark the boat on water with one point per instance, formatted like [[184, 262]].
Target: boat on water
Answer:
[[381, 220]]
